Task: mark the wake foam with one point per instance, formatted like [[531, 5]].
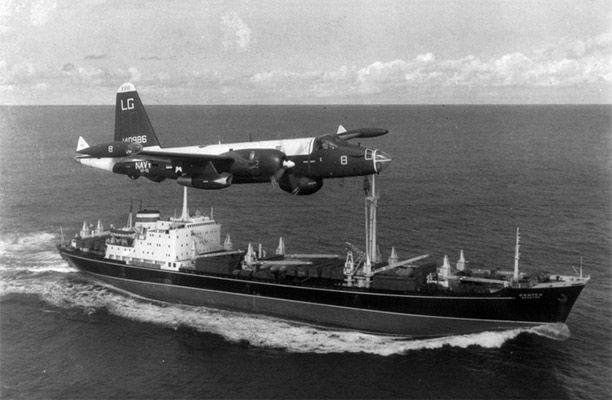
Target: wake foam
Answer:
[[558, 331], [14, 243], [257, 331], [31, 252]]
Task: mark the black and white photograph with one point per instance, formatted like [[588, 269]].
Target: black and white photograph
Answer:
[[341, 199]]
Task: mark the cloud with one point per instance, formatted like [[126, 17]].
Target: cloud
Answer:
[[16, 74], [26, 74], [569, 66], [569, 63], [236, 33], [425, 58], [41, 11], [135, 75], [95, 56], [36, 13]]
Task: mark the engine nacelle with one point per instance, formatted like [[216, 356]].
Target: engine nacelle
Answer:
[[299, 185], [257, 162], [220, 181], [112, 149], [154, 170]]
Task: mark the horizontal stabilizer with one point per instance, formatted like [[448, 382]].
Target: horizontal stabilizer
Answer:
[[82, 144]]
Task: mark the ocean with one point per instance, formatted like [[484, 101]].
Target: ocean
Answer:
[[462, 177]]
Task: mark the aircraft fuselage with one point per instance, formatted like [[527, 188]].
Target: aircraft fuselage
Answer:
[[298, 166], [347, 160]]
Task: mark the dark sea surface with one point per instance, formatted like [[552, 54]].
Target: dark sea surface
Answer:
[[462, 177]]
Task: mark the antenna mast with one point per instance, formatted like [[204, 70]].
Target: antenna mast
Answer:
[[185, 213], [371, 203], [129, 223], [517, 255]]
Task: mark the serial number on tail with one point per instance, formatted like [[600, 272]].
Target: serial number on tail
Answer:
[[136, 139]]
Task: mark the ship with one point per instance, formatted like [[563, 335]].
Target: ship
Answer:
[[186, 260]]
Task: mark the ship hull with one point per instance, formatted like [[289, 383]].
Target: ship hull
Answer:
[[415, 315]]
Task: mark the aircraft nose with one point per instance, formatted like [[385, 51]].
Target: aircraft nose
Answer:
[[381, 160]]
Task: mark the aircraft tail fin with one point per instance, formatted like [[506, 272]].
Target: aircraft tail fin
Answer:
[[81, 144], [132, 123]]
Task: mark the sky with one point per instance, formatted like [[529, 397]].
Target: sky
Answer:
[[307, 51]]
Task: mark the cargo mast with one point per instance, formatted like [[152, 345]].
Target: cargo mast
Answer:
[[371, 204], [185, 212], [517, 255]]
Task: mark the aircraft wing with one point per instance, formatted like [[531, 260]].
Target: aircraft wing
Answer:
[[222, 163]]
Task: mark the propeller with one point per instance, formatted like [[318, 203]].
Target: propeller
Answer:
[[286, 164], [271, 162]]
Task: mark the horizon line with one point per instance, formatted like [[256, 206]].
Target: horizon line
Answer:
[[312, 104]]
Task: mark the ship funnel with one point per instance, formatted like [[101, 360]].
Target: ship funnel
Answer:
[[445, 268], [261, 253], [461, 262], [349, 268], [227, 244], [249, 257], [393, 259], [84, 230], [280, 250], [99, 228]]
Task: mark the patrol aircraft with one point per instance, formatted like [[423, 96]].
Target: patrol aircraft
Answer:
[[297, 166]]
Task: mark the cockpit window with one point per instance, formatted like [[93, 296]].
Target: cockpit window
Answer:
[[368, 154], [328, 142]]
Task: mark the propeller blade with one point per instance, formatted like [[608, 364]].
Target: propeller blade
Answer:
[[287, 164], [279, 174]]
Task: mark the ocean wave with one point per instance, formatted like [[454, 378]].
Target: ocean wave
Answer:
[[20, 242], [557, 331], [31, 253], [255, 330]]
